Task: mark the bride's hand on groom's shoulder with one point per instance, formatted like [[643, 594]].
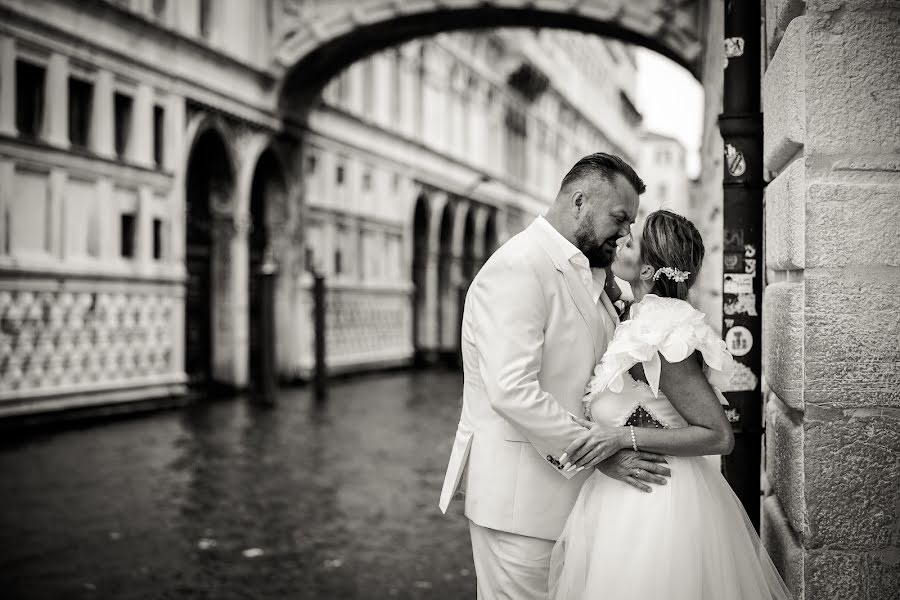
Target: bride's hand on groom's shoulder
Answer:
[[637, 469]]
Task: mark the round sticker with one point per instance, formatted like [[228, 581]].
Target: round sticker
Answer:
[[735, 161], [739, 341]]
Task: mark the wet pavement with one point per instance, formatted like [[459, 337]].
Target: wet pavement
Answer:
[[227, 500]]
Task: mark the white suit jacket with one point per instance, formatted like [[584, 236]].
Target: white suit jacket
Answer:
[[531, 336]]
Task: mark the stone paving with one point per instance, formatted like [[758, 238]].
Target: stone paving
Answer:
[[228, 500]]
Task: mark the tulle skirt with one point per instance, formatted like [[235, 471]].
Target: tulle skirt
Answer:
[[687, 540]]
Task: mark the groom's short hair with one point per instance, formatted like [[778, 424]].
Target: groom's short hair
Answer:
[[605, 165]]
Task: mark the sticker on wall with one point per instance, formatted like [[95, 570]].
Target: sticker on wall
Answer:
[[729, 323], [733, 240], [734, 47], [737, 283], [741, 304], [732, 262], [739, 340], [750, 266], [733, 414], [734, 161], [742, 379]]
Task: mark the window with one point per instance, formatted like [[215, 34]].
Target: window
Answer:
[[367, 179], [159, 120], [338, 266], [339, 174], [159, 8], [29, 98], [128, 222], [310, 164], [157, 239], [122, 105], [80, 97]]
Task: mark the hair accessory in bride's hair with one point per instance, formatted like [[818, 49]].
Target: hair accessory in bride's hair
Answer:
[[673, 274]]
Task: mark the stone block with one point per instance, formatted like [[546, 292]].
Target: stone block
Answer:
[[783, 341], [852, 81], [852, 224], [784, 102], [833, 575], [882, 577], [828, 6], [784, 463], [786, 219], [852, 479], [851, 350], [782, 545], [779, 14]]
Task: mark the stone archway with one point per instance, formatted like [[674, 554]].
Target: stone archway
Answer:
[[445, 275], [209, 187], [419, 265], [316, 40], [268, 212]]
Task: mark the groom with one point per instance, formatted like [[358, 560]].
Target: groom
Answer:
[[536, 322]]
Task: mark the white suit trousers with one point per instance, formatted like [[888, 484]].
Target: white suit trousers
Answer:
[[509, 566]]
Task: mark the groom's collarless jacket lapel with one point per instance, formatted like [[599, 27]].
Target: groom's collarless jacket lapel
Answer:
[[579, 294]]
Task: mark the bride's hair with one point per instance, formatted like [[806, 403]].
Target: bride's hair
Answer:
[[670, 240]]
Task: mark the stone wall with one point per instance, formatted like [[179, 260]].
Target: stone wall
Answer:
[[831, 96]]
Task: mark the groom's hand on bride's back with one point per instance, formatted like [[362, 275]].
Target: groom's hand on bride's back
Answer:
[[637, 469]]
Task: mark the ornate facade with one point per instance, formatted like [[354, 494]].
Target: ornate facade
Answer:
[[148, 171]]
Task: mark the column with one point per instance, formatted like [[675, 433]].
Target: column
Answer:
[[56, 213], [141, 146], [450, 308], [108, 214], [174, 153], [56, 102], [229, 281], [102, 135], [143, 250], [7, 176], [832, 142], [7, 86]]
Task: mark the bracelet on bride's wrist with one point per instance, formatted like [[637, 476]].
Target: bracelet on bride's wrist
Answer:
[[633, 440]]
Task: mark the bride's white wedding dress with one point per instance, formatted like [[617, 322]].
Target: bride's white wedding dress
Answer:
[[687, 540]]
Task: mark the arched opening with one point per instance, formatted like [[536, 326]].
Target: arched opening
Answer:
[[419, 271], [267, 200], [490, 236], [445, 283], [209, 188], [469, 251]]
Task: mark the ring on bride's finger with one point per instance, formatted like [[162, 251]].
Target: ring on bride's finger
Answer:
[[636, 473]]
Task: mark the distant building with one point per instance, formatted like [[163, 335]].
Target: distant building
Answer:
[[147, 172], [662, 166]]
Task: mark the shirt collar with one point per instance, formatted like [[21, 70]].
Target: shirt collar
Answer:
[[568, 248]]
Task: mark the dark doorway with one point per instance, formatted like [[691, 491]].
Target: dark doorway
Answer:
[[208, 173], [419, 273], [266, 199]]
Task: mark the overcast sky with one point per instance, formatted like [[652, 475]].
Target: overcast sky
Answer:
[[671, 101]]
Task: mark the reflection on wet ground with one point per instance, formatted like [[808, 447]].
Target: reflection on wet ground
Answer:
[[228, 500]]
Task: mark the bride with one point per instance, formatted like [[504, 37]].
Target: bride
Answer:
[[689, 539]]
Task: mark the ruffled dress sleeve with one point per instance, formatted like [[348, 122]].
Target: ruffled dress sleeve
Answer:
[[666, 326]]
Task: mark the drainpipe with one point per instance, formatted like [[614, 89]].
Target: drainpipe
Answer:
[[741, 126]]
